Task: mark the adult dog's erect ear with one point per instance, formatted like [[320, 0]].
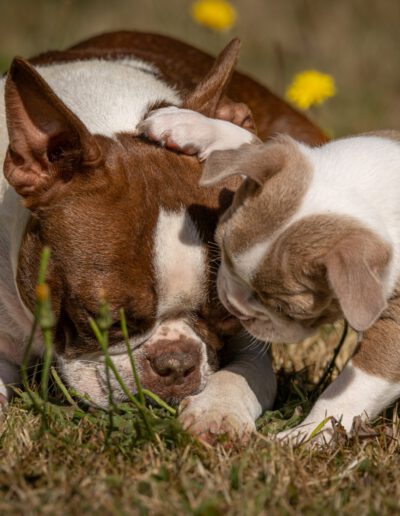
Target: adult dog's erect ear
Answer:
[[208, 93], [46, 140]]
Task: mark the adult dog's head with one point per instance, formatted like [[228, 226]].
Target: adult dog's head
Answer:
[[125, 220]]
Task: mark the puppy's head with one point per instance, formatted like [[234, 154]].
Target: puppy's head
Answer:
[[284, 274]]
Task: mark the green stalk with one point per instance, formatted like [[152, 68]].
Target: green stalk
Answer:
[[38, 318], [36, 401], [64, 389], [109, 363], [141, 392], [159, 401], [102, 338], [131, 359]]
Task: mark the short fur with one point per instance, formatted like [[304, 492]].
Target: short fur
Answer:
[[312, 236], [113, 207]]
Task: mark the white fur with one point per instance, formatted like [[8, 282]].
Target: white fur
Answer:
[[111, 97], [246, 263], [108, 96], [87, 374], [235, 396], [358, 177], [180, 262], [192, 132], [353, 393]]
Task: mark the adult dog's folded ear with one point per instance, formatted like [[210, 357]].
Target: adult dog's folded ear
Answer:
[[47, 142], [208, 96]]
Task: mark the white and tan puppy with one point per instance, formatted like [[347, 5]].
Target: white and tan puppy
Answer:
[[313, 235]]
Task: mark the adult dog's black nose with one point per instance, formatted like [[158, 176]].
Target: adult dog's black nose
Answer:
[[175, 366]]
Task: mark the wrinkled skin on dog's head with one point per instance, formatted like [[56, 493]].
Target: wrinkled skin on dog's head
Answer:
[[125, 221], [285, 275]]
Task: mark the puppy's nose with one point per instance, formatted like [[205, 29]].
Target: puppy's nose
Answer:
[[175, 366]]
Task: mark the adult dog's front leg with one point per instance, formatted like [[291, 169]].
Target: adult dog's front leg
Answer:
[[234, 396]]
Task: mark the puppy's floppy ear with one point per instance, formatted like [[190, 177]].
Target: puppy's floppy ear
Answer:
[[46, 140], [258, 162], [208, 93], [355, 267]]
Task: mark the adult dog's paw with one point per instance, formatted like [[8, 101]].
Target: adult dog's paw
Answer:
[[215, 420]]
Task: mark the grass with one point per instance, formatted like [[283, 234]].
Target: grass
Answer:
[[58, 458]]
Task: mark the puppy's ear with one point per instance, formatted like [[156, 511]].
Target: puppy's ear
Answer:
[[258, 162], [208, 93], [46, 140], [355, 267]]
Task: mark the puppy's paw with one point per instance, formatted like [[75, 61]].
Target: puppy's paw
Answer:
[[328, 432], [179, 129], [214, 420]]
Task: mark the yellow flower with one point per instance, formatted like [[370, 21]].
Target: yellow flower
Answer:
[[216, 14], [310, 88]]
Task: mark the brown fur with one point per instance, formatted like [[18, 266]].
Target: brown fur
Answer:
[[95, 201], [378, 353], [257, 212], [184, 67], [314, 271]]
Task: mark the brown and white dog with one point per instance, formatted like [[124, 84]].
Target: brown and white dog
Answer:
[[312, 236], [127, 219]]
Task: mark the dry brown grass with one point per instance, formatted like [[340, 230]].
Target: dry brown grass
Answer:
[[71, 468]]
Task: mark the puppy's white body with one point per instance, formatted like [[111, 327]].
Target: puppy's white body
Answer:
[[358, 177], [354, 393]]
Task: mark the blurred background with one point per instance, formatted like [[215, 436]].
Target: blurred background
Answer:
[[355, 41]]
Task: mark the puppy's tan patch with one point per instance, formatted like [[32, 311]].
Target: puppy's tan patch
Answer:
[[378, 353], [323, 266], [283, 175]]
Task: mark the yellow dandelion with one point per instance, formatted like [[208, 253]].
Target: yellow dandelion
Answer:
[[310, 88], [218, 15]]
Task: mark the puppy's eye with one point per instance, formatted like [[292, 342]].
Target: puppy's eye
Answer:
[[255, 298]]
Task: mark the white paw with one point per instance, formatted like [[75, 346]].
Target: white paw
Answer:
[[180, 129], [210, 419], [314, 434]]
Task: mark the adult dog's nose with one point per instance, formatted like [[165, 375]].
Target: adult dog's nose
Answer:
[[175, 366]]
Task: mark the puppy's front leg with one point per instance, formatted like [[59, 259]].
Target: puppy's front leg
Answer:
[[368, 384], [234, 396], [193, 133]]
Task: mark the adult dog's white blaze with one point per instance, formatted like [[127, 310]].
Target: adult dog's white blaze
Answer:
[[180, 262]]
